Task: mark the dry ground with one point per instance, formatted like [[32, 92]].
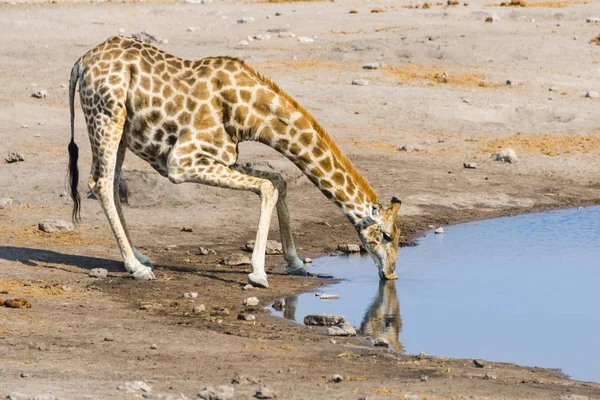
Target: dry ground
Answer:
[[442, 86]]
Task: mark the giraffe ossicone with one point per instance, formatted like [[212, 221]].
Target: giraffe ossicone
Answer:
[[186, 119]]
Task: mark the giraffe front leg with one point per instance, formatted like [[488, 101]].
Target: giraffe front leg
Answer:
[[209, 172], [294, 266]]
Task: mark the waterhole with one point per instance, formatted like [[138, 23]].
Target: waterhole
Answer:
[[522, 289]]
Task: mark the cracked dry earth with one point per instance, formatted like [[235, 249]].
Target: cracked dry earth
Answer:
[[442, 87]]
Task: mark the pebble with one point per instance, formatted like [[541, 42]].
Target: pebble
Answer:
[[260, 36], [40, 94], [109, 339], [190, 295], [199, 309], [307, 260], [199, 1], [243, 43], [305, 39], [164, 41], [14, 157], [381, 342], [324, 319], [470, 165], [336, 378], [592, 20], [439, 231], [55, 225], [248, 287], [245, 20], [410, 147], [133, 386], [145, 306], [5, 202], [344, 329], [273, 247], [424, 378], [236, 259], [489, 376], [246, 317], [592, 94], [220, 393], [24, 126], [553, 88], [203, 251], [349, 248], [286, 35], [360, 82], [244, 380], [193, 29], [153, 346], [279, 305], [412, 397], [24, 375], [265, 392], [98, 273], [478, 364], [373, 65], [251, 301], [121, 30], [506, 155], [145, 37]]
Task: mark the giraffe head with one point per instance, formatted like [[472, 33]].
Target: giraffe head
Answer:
[[380, 236]]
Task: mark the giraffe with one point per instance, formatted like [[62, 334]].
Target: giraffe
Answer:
[[186, 119], [382, 318]]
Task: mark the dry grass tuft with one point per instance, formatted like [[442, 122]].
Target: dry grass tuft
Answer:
[[541, 4], [596, 41], [549, 145], [435, 77]]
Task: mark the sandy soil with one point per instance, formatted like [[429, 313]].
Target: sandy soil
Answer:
[[442, 86]]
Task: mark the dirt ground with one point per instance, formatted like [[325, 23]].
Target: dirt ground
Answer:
[[442, 86]]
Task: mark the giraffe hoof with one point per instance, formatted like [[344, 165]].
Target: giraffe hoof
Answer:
[[258, 280], [144, 274], [297, 271]]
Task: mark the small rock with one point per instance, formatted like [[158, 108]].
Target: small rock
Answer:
[[506, 155], [145, 37], [44, 396], [221, 312], [381, 342], [305, 39], [17, 396], [121, 30], [324, 319], [236, 259], [24, 375], [279, 305], [199, 1], [145, 306], [40, 94], [470, 165], [336, 379], [510, 82], [55, 225], [360, 82], [344, 329], [439, 231], [190, 295], [203, 251], [185, 229], [265, 392], [592, 94], [66, 288], [553, 89], [220, 393], [153, 346], [199, 309], [14, 157], [193, 29], [243, 43], [245, 20], [5, 202], [109, 339], [424, 378], [98, 273], [244, 380], [251, 301], [24, 126], [246, 317], [326, 296], [349, 248], [273, 247], [133, 386], [412, 397], [373, 65], [260, 36], [592, 20], [286, 35], [478, 364], [410, 147], [489, 376], [307, 260], [248, 287]]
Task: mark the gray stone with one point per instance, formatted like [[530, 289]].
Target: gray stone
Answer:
[[199, 1], [592, 20], [305, 39], [40, 94], [244, 380], [273, 247], [220, 393], [506, 155], [5, 202], [134, 386], [248, 287], [336, 378], [193, 29], [243, 42], [251, 301], [14, 157], [44, 396], [98, 273], [279, 305], [470, 165], [17, 396], [55, 225], [591, 94], [439, 231], [409, 148], [344, 329], [360, 82], [260, 36], [190, 295], [373, 65], [246, 317], [324, 319], [203, 251], [349, 248], [236, 259], [307, 260], [199, 309], [381, 342], [286, 35], [146, 37], [245, 20], [424, 378], [265, 392], [153, 346]]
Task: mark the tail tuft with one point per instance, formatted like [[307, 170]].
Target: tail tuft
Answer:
[[74, 181]]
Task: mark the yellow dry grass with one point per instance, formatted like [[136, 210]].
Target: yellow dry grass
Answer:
[[437, 77], [34, 236], [306, 64], [16, 288], [541, 4], [287, 1], [549, 145], [368, 145]]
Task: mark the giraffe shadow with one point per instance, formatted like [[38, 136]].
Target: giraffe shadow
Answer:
[[38, 257]]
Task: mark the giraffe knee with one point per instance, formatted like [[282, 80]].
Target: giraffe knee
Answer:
[[267, 190]]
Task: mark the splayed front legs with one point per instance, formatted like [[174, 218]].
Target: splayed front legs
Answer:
[[294, 265], [209, 172]]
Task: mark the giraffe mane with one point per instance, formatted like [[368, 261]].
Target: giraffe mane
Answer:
[[357, 177]]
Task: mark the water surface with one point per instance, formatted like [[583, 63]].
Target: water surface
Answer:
[[520, 289]]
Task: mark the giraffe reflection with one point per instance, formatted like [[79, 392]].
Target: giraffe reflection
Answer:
[[382, 318]]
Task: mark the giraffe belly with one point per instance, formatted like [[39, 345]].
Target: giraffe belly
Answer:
[[148, 148]]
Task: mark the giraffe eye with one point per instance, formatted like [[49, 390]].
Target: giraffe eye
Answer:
[[386, 236]]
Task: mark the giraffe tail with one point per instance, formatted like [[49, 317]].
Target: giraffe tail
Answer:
[[73, 149]]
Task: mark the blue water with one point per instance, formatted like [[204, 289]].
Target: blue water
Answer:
[[522, 289]]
